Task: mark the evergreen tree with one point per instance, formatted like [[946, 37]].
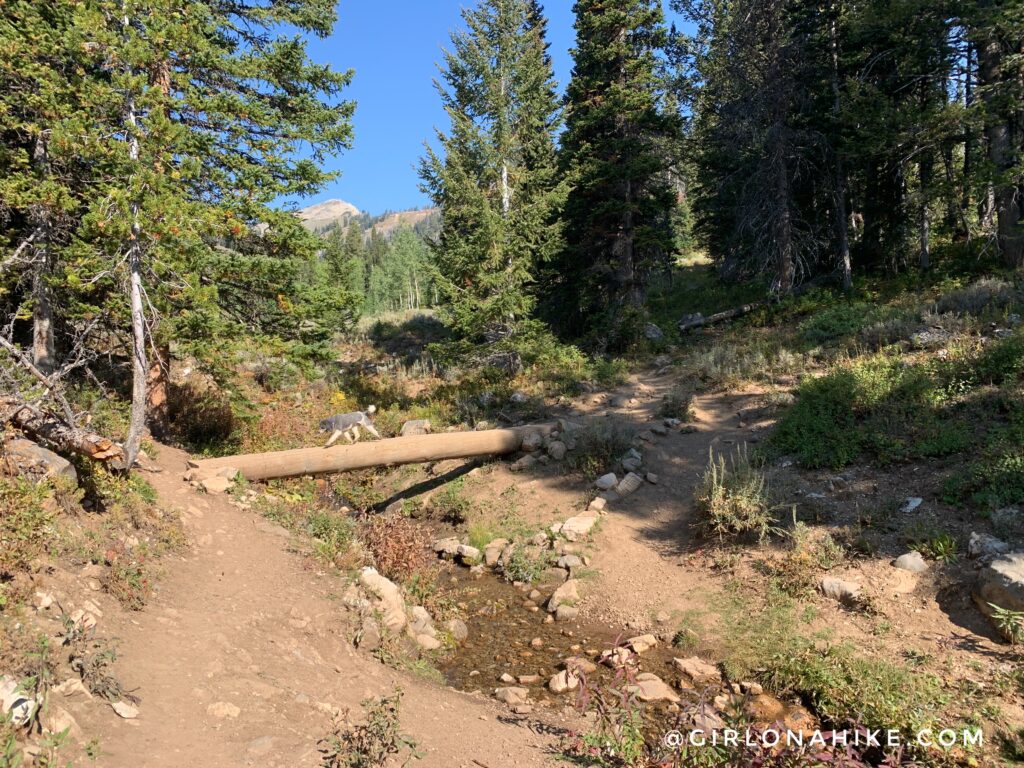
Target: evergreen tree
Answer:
[[619, 212], [818, 132], [172, 126], [996, 28], [345, 255], [495, 180]]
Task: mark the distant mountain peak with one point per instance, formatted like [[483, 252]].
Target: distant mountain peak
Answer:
[[326, 213], [330, 213]]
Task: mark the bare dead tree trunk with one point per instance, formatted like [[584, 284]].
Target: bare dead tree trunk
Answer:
[[924, 216], [140, 367], [783, 225], [841, 218], [57, 433], [44, 355], [1001, 152]]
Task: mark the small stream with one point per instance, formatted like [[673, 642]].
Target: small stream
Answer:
[[508, 635]]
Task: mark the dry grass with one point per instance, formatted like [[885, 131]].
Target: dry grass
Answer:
[[399, 546], [732, 498]]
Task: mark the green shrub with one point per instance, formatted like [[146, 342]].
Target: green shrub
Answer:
[[678, 404], [891, 411], [732, 498], [27, 513], [450, 505], [332, 533], [835, 323], [820, 430], [985, 295], [599, 446], [371, 744], [522, 567]]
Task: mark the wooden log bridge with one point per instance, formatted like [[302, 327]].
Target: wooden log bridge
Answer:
[[414, 449]]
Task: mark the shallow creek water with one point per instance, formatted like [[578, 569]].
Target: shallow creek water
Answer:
[[507, 636]]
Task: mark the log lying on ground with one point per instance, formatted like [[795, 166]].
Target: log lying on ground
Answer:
[[377, 453], [698, 320], [58, 435]]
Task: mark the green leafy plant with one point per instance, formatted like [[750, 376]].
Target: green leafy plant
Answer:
[[617, 736], [1009, 622], [942, 547], [332, 533], [371, 744], [450, 504], [523, 567]]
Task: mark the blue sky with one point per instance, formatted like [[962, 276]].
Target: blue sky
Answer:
[[394, 48]]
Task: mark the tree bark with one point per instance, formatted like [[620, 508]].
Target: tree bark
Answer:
[[1002, 151], [841, 224], [969, 138], [378, 453], [785, 268], [924, 217], [140, 367], [43, 348], [57, 433]]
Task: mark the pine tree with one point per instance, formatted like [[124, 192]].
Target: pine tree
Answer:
[[172, 126], [619, 212], [495, 180], [997, 30]]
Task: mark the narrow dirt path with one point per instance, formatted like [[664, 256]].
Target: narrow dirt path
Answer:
[[240, 660], [645, 539]]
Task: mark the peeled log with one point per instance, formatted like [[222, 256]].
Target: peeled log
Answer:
[[377, 453]]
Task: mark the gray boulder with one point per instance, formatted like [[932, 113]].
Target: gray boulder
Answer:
[[566, 594], [845, 592], [38, 460], [532, 441], [984, 546], [457, 629], [415, 427], [557, 450], [448, 547], [911, 561], [1001, 585]]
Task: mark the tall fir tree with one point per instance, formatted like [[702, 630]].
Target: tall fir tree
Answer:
[[495, 178], [173, 126], [621, 203]]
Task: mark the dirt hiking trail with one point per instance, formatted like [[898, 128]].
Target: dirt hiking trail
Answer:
[[243, 656], [240, 659]]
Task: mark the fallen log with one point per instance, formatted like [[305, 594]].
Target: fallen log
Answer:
[[389, 452], [56, 434], [698, 320]]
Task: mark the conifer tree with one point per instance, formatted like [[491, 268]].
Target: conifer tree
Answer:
[[172, 126], [495, 180], [618, 216]]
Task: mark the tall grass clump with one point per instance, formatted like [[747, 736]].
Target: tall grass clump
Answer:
[[732, 498]]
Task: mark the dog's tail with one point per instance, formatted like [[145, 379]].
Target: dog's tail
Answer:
[[371, 410]]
